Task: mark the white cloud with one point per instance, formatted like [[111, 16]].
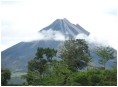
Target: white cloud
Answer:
[[51, 34], [93, 39], [81, 36], [25, 17]]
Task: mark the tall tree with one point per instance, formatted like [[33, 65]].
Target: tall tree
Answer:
[[75, 53], [50, 53], [59, 74], [5, 76], [105, 54], [37, 67]]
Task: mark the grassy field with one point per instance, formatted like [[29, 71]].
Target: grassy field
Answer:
[[18, 74], [16, 78]]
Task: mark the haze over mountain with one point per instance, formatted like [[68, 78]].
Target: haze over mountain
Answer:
[[17, 56]]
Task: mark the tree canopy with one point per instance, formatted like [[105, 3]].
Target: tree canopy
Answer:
[[5, 76], [76, 54], [69, 70], [38, 66], [105, 54]]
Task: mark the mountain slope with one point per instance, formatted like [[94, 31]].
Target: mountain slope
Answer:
[[16, 57]]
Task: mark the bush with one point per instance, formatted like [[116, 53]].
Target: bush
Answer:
[[94, 78], [5, 76]]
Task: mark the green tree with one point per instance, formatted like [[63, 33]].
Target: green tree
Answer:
[[75, 53], [37, 67], [5, 76], [93, 78], [50, 53], [58, 75], [105, 54]]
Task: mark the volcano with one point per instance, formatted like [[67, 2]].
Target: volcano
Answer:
[[16, 57], [66, 28]]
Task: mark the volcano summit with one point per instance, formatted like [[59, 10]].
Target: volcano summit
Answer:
[[16, 57]]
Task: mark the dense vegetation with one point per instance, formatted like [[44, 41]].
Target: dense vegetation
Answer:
[[5, 76], [105, 53], [72, 68]]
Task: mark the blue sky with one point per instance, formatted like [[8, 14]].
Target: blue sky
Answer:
[[22, 19]]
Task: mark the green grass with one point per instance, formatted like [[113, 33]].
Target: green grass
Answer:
[[18, 74], [16, 78]]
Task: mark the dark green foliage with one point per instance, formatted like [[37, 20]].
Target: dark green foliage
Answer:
[[33, 78], [105, 53], [43, 70], [50, 53], [38, 67], [39, 54], [84, 78], [39, 62], [58, 75], [5, 76], [94, 78], [76, 54]]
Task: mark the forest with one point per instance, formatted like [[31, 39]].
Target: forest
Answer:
[[71, 65]]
